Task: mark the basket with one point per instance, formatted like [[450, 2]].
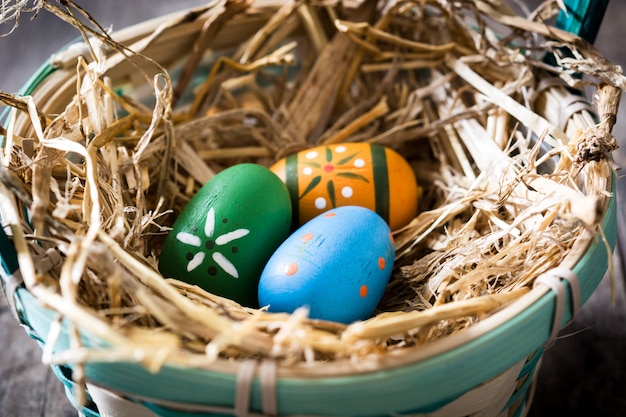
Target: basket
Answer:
[[486, 369]]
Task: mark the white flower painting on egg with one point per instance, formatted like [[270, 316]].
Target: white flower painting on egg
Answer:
[[212, 245]]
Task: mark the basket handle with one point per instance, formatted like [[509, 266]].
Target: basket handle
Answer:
[[582, 18]]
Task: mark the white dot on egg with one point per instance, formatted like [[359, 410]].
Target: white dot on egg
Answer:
[[347, 192], [311, 155], [307, 171], [340, 149], [359, 163], [320, 203]]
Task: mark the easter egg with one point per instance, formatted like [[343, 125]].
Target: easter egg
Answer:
[[350, 174], [338, 265], [227, 232]]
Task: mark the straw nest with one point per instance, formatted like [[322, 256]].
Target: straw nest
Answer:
[[513, 164]]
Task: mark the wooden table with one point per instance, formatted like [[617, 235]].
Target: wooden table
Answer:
[[584, 373]]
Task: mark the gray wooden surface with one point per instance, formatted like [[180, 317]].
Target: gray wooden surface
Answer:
[[583, 374]]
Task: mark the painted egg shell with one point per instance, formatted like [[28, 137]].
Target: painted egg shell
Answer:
[[227, 232], [350, 174], [337, 264]]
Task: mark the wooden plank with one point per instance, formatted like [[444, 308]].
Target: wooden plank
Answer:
[[27, 387]]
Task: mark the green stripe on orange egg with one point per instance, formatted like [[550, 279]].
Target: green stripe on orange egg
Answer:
[[403, 190], [381, 181]]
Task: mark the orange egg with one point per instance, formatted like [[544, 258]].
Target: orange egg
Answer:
[[350, 174]]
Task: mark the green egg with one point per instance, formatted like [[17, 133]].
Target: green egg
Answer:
[[227, 232]]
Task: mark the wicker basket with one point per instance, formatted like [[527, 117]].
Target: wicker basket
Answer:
[[487, 369]]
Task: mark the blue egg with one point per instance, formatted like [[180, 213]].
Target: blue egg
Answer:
[[337, 264]]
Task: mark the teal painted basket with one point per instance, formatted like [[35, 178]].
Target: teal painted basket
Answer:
[[487, 369]]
